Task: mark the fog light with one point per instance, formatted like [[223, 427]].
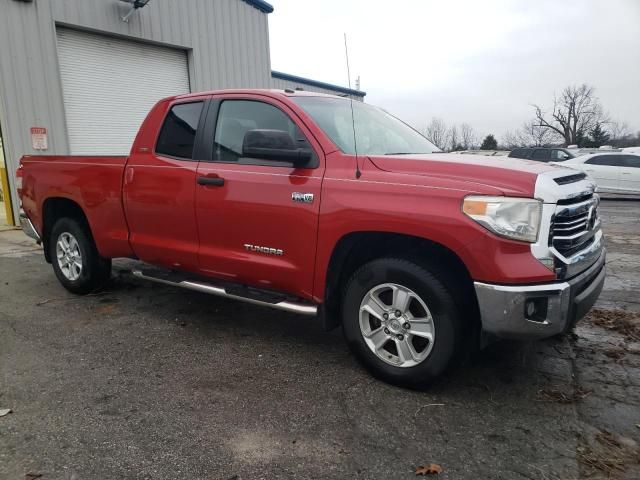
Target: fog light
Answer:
[[535, 309], [531, 308]]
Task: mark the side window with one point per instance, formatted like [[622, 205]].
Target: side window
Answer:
[[559, 155], [609, 160], [541, 154], [632, 161], [237, 117], [178, 133], [518, 153]]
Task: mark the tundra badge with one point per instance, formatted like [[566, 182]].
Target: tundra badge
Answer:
[[268, 250], [302, 197]]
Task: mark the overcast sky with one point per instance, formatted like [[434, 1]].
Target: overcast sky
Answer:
[[480, 62]]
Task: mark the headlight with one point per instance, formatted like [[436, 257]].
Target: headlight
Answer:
[[514, 218]]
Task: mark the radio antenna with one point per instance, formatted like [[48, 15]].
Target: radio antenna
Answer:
[[353, 120]]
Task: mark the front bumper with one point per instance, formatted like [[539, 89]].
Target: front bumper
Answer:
[[28, 228], [539, 311]]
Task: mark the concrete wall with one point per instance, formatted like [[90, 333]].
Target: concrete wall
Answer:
[[227, 43]]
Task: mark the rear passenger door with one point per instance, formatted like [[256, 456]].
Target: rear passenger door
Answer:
[[630, 174], [541, 155], [159, 189], [605, 170], [518, 153], [255, 227]]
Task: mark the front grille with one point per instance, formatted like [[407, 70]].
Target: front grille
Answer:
[[576, 199], [574, 225]]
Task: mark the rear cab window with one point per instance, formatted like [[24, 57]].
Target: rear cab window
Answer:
[[178, 133]]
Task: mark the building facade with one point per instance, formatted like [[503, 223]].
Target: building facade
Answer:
[[75, 78]]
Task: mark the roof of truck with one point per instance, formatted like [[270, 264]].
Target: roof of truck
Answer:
[[271, 92]]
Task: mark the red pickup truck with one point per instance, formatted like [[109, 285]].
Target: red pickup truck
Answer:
[[313, 204]]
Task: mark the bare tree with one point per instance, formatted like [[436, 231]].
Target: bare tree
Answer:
[[538, 136], [514, 139], [530, 135], [620, 135], [618, 130], [468, 137], [575, 113], [437, 133], [453, 139]]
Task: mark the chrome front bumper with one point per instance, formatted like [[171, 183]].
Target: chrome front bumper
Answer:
[[539, 311], [28, 228]]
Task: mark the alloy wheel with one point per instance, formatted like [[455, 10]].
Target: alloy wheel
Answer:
[[69, 256], [397, 325]]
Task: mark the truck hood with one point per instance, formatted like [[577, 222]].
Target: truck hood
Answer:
[[512, 176]]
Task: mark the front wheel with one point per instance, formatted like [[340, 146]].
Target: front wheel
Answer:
[[75, 259], [401, 321]]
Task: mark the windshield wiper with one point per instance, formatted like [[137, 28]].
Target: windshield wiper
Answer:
[[406, 153]]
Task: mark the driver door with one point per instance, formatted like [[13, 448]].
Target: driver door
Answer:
[[253, 227]]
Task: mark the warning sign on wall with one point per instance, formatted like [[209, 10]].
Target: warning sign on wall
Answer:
[[39, 138]]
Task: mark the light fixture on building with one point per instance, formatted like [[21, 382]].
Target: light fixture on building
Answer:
[[135, 5]]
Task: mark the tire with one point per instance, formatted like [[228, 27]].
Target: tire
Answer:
[[380, 287], [75, 259]]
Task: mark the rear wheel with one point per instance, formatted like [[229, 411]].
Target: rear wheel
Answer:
[[401, 321], [75, 259]]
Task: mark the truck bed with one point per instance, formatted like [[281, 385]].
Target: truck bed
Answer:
[[95, 182]]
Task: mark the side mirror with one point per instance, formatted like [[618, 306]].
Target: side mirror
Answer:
[[274, 145]]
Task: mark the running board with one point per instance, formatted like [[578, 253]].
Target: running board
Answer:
[[271, 300]]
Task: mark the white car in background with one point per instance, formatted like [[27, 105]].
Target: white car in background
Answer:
[[616, 172]]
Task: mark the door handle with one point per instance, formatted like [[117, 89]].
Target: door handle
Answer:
[[211, 181]]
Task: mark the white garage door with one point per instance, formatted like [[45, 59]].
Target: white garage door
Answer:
[[109, 86]]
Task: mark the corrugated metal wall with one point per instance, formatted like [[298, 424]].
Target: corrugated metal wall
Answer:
[[227, 43]]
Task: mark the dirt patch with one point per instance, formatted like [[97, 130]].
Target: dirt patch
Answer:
[[621, 321], [607, 453], [615, 354], [560, 396]]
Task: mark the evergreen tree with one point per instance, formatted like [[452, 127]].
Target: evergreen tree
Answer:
[[598, 137], [489, 143], [582, 140]]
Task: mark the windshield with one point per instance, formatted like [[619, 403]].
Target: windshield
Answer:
[[377, 132]]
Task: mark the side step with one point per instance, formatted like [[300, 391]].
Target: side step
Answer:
[[240, 292]]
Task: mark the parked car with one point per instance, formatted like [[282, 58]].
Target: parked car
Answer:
[[262, 196], [542, 154], [612, 172]]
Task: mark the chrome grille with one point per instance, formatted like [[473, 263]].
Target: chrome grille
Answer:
[[574, 225]]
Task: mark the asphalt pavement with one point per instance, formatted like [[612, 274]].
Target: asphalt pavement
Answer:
[[142, 381]]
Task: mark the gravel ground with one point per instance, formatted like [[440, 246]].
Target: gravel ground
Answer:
[[144, 381]]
